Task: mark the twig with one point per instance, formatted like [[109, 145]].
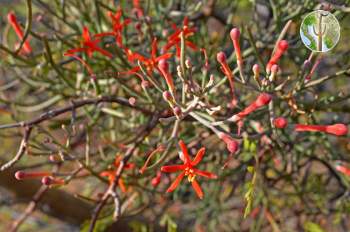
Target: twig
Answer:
[[21, 150]]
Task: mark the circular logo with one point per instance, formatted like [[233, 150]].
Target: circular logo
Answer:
[[320, 31]]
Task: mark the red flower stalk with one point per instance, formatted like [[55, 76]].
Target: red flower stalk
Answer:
[[231, 144], [164, 70], [11, 17], [335, 129], [117, 27], [20, 175], [175, 38], [343, 169], [112, 173], [234, 34], [280, 122], [49, 180], [188, 169], [221, 58], [262, 100], [281, 48], [89, 46], [155, 151]]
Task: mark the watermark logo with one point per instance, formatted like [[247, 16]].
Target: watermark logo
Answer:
[[320, 31]]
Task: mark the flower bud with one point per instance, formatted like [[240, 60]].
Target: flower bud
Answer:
[[280, 122]]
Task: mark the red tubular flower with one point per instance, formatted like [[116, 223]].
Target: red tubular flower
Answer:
[[187, 169], [280, 122], [234, 34], [89, 46], [49, 180], [164, 70], [112, 173], [11, 17], [335, 129], [117, 27], [281, 48], [231, 144], [156, 180], [343, 169], [221, 58], [137, 10], [175, 38], [20, 175], [262, 100]]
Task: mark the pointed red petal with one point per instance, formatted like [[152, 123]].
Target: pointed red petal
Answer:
[[122, 185], [184, 151], [154, 48], [198, 189], [163, 57], [86, 35], [199, 156], [172, 168], [205, 174], [176, 182]]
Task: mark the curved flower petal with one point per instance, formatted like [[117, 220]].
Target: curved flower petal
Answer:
[[184, 151], [199, 156], [205, 174], [173, 168], [176, 182], [197, 189]]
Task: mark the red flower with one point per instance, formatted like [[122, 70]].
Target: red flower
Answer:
[[112, 173], [150, 63], [117, 27], [231, 144], [164, 70], [187, 169], [335, 129], [11, 17], [281, 48], [175, 39], [221, 58], [20, 175], [89, 46], [262, 100], [280, 122], [343, 169]]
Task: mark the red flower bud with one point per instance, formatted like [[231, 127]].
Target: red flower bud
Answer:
[[156, 180], [262, 100], [343, 170], [280, 122], [231, 144], [336, 129], [221, 58], [235, 33], [48, 180], [132, 101], [281, 48], [20, 175], [163, 67], [177, 111], [11, 17], [256, 70]]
